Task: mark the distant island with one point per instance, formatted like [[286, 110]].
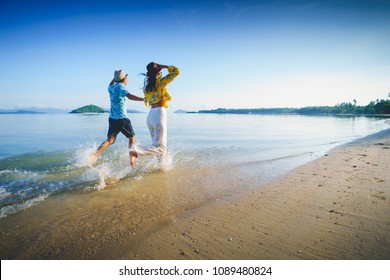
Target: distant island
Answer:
[[180, 112], [18, 112], [34, 110], [135, 112], [378, 107], [88, 109], [93, 109]]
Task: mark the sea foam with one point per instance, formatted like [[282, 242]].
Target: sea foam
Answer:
[[3, 193], [11, 209]]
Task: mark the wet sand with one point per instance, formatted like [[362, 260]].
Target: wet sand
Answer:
[[336, 207]]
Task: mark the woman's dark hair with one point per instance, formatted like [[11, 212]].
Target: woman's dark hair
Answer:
[[151, 75]]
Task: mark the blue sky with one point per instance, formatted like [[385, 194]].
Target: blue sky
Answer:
[[233, 54]]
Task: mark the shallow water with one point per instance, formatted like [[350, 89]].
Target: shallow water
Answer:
[[210, 156]]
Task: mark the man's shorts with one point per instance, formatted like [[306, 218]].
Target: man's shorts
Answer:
[[120, 125]]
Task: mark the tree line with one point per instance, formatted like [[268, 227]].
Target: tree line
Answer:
[[346, 108], [374, 107]]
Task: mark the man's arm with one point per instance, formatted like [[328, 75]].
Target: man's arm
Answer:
[[133, 97]]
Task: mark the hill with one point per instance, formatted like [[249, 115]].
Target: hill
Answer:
[[4, 112], [180, 112], [88, 109]]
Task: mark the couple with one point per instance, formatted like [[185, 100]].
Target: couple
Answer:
[[156, 96]]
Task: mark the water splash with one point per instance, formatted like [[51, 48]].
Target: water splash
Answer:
[[83, 156], [29, 179], [109, 168]]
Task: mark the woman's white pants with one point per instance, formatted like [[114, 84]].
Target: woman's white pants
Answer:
[[157, 124]]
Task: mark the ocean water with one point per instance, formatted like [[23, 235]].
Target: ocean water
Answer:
[[210, 156]]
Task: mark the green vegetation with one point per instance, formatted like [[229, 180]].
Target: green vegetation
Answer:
[[88, 109], [264, 111], [379, 107]]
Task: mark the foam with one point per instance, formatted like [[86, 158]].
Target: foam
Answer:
[[12, 209], [16, 173], [4, 193]]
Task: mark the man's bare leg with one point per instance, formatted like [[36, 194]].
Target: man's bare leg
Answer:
[[103, 146], [133, 154]]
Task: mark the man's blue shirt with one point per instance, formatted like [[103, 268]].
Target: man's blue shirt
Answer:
[[118, 101]]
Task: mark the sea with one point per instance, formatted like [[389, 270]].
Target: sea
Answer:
[[210, 156]]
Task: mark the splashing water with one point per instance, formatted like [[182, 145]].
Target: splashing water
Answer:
[[83, 157], [109, 168], [27, 180]]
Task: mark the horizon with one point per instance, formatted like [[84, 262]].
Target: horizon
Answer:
[[246, 54], [107, 109]]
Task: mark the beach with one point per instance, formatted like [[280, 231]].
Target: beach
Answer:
[[334, 207], [337, 207]]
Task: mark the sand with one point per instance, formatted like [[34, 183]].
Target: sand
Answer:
[[336, 207]]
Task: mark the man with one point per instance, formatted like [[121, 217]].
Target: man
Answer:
[[118, 121]]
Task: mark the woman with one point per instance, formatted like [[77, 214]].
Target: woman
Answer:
[[157, 97]]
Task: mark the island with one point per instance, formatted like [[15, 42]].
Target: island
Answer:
[[88, 109], [378, 107], [180, 111], [17, 112]]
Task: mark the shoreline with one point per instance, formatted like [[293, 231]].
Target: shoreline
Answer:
[[335, 207]]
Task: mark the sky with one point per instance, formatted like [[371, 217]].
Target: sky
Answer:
[[232, 54]]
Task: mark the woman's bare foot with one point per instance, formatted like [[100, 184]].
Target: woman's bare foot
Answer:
[[133, 157]]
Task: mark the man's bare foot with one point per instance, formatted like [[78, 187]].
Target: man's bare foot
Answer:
[[133, 157], [93, 160]]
